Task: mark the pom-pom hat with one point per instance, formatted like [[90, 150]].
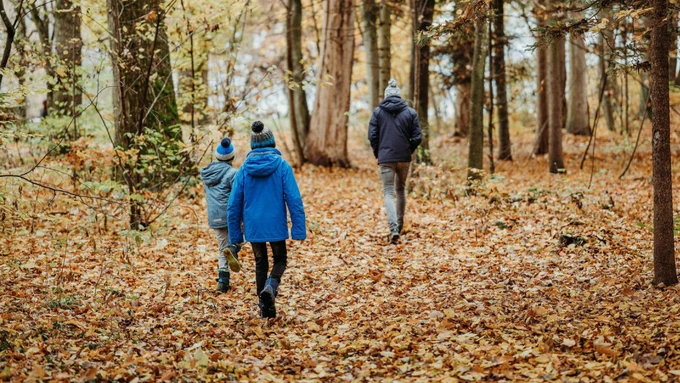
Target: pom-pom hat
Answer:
[[225, 150], [392, 89], [261, 137]]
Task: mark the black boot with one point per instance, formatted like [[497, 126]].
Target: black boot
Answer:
[[268, 297], [223, 281]]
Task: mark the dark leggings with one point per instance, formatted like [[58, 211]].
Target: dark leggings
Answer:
[[262, 262]]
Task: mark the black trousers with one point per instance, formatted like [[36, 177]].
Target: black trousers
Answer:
[[262, 262]]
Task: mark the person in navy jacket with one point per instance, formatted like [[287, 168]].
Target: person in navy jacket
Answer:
[[394, 132], [263, 189]]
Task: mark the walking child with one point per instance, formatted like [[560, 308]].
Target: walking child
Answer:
[[218, 178], [263, 188]]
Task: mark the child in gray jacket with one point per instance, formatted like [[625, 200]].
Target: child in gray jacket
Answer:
[[218, 178]]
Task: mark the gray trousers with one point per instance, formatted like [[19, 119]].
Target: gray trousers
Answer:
[[393, 176], [222, 236]]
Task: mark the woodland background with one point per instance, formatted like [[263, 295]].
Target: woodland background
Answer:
[[540, 233]]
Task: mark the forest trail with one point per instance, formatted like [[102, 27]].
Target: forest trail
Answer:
[[478, 287]]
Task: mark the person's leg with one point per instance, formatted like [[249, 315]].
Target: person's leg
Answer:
[[387, 175], [222, 236], [261, 264], [280, 259], [401, 173], [271, 287]]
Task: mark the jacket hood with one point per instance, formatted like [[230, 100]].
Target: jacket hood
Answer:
[[262, 162], [393, 105], [213, 173]]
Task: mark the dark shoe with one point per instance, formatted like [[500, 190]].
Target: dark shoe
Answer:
[[394, 238], [268, 298], [223, 281], [231, 254]]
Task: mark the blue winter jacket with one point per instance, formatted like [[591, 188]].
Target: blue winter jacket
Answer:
[[217, 181], [394, 131], [264, 186]]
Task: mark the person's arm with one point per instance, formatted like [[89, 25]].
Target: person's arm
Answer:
[[293, 199], [374, 134], [235, 210], [416, 134]]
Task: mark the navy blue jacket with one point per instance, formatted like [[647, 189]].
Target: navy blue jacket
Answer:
[[394, 131], [263, 188]]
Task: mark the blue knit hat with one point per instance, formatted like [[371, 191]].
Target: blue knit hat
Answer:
[[261, 137], [225, 150]]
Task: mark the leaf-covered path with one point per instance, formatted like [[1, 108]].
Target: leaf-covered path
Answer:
[[479, 288]]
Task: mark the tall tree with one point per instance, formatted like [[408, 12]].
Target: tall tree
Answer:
[[369, 10], [385, 44], [424, 14], [577, 105], [145, 110], [664, 251], [499, 42], [606, 53], [481, 48], [297, 97], [555, 103], [542, 131], [68, 46], [327, 139]]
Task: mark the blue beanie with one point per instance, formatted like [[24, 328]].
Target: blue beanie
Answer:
[[261, 137], [225, 150]]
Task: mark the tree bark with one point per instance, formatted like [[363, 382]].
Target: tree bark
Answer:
[[385, 44], [143, 96], [542, 130], [504, 146], [606, 39], [664, 252], [424, 15], [673, 46], [297, 97], [68, 47], [327, 139], [370, 34], [577, 108], [476, 153], [555, 104], [462, 110]]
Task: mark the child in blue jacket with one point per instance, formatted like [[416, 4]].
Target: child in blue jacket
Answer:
[[218, 178], [263, 188]]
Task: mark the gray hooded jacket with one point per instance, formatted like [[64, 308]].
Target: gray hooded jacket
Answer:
[[218, 178]]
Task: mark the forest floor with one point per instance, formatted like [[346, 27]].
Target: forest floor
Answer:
[[531, 277]]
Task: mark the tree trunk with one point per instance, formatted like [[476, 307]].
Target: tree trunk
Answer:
[[42, 25], [542, 130], [504, 146], [664, 252], [563, 84], [555, 102], [370, 34], [327, 139], [21, 65], [68, 48], [297, 97], [425, 12], [577, 107], [384, 44], [476, 153], [643, 102], [673, 51], [462, 110], [606, 38], [410, 99], [144, 97]]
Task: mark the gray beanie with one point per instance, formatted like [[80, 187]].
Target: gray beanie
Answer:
[[261, 137], [392, 89]]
